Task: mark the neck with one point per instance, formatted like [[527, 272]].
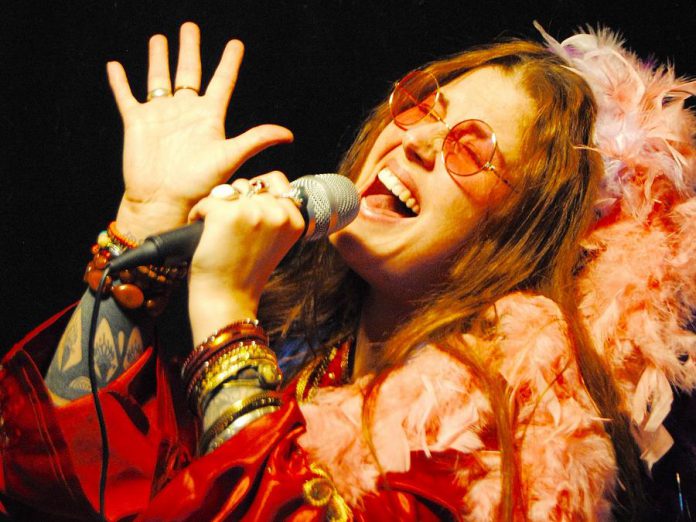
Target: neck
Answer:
[[380, 317]]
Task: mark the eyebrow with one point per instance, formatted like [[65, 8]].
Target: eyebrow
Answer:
[[498, 152], [445, 104], [444, 99]]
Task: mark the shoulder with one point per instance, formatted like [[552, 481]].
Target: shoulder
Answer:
[[527, 343], [566, 460], [517, 325]]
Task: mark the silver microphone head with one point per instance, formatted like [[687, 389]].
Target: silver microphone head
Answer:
[[331, 202]]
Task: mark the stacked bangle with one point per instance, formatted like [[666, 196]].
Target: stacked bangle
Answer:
[[221, 358], [226, 366], [248, 329], [232, 419], [148, 287]]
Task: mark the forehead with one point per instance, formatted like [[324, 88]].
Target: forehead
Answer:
[[495, 96]]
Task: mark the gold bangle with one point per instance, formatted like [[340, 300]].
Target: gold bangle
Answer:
[[211, 383], [237, 425], [227, 367], [189, 375], [237, 410], [226, 357], [247, 329]]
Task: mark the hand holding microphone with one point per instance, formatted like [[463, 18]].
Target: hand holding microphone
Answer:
[[249, 228], [328, 202]]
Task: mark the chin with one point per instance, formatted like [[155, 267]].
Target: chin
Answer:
[[348, 244], [375, 270]]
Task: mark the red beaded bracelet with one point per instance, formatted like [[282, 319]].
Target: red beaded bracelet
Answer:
[[117, 237], [145, 286]]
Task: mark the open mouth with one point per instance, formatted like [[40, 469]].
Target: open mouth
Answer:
[[388, 195]]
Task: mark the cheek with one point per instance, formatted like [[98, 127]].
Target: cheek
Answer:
[[484, 189], [388, 139]]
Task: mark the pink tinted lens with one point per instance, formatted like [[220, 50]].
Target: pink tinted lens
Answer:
[[413, 98], [469, 147]]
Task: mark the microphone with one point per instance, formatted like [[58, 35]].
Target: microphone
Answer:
[[328, 202]]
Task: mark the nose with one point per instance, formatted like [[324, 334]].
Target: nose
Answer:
[[422, 142]]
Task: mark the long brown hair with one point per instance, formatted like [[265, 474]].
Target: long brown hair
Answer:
[[528, 242]]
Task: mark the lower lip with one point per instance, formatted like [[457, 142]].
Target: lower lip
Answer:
[[379, 214]]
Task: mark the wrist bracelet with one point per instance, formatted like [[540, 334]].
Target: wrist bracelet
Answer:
[[227, 368], [236, 425], [145, 287], [247, 329], [121, 239], [235, 412], [246, 348], [239, 356], [220, 359]]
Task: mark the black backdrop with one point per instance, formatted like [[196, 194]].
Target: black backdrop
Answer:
[[316, 67]]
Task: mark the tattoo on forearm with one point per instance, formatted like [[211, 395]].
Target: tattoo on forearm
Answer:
[[118, 343]]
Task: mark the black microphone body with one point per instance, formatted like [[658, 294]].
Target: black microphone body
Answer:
[[328, 202]]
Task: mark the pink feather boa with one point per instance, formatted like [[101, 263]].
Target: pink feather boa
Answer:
[[638, 294], [434, 403]]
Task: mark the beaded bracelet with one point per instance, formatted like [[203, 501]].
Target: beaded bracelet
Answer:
[[247, 329], [144, 286], [237, 410], [119, 238]]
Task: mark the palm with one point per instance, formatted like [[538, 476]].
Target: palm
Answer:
[[175, 150], [175, 153]]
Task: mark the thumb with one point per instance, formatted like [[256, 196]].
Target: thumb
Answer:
[[243, 147]]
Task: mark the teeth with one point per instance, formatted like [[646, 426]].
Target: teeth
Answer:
[[394, 186]]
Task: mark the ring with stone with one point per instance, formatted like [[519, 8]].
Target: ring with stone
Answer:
[[257, 186], [159, 92], [226, 192]]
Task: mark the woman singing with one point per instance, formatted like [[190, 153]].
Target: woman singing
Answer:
[[426, 362]]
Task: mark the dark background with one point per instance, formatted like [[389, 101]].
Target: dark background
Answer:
[[316, 67]]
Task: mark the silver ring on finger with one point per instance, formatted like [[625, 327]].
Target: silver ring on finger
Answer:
[[225, 192], [294, 195], [257, 186], [159, 92]]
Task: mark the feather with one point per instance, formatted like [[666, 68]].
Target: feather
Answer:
[[434, 403], [637, 293], [652, 399], [640, 118]]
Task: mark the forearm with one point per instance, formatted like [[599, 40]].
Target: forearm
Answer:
[[119, 341]]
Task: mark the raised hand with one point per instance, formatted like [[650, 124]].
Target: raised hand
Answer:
[[175, 149]]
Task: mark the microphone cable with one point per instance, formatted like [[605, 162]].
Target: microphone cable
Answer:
[[95, 393]]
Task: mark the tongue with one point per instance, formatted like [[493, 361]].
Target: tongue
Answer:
[[388, 204]]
